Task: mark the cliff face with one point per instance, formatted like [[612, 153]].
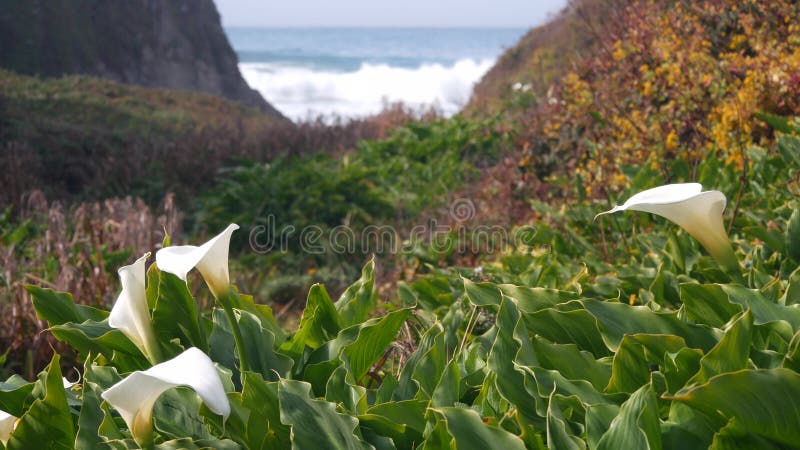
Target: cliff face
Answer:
[[175, 44]]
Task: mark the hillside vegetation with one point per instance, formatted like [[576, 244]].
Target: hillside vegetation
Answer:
[[645, 82], [564, 330]]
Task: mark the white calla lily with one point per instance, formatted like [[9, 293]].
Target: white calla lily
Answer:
[[696, 211], [135, 396], [130, 313], [7, 425], [211, 259]]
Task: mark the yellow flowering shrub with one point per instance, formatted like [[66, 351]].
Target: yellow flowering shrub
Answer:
[[668, 80]]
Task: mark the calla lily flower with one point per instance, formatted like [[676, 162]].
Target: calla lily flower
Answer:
[[130, 313], [211, 259], [7, 425], [135, 396], [696, 211]]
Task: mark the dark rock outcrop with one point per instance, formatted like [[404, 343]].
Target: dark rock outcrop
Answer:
[[175, 44]]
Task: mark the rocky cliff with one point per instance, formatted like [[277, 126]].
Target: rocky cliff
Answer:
[[176, 44]]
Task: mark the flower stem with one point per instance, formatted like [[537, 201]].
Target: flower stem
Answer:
[[227, 306]]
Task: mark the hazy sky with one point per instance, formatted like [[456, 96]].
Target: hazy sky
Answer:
[[379, 13]]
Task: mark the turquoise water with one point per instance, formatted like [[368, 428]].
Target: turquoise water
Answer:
[[353, 72]]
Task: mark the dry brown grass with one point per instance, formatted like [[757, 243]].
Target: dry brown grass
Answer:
[[74, 250]]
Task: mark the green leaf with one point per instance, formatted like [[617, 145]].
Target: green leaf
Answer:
[[264, 424], [59, 308], [732, 353], [96, 379], [708, 304], [782, 124], [447, 392], [14, 393], [793, 235], [48, 421], [559, 437], [577, 327], [637, 355], [374, 338], [734, 437], [175, 313], [176, 414], [260, 348], [99, 338], [344, 392], [510, 381], [637, 424], [319, 324], [403, 421], [766, 402], [357, 302], [407, 386], [572, 362], [469, 431], [528, 299], [618, 319], [315, 423]]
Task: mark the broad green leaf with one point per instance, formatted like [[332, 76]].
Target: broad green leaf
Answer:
[[408, 415], [260, 348], [176, 415], [482, 294], [572, 362], [793, 235], [528, 299], [14, 395], [447, 392], [708, 304], [264, 314], [637, 424], [598, 421], [469, 431], [407, 386], [48, 422], [532, 299], [96, 379], [59, 308], [264, 424], [222, 349], [203, 444], [637, 356], [734, 437], [175, 313], [315, 423], [732, 353], [559, 437], [618, 319], [357, 302], [342, 391], [763, 310], [543, 383], [99, 338], [766, 401], [510, 381], [577, 327], [319, 324], [374, 338]]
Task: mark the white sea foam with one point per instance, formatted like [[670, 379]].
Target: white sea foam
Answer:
[[301, 92]]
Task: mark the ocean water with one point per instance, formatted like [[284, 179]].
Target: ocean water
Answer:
[[353, 72]]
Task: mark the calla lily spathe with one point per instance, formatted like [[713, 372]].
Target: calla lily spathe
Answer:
[[135, 396], [7, 422], [696, 211], [211, 259], [130, 313]]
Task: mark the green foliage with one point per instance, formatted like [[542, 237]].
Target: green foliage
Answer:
[[302, 202], [563, 346]]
